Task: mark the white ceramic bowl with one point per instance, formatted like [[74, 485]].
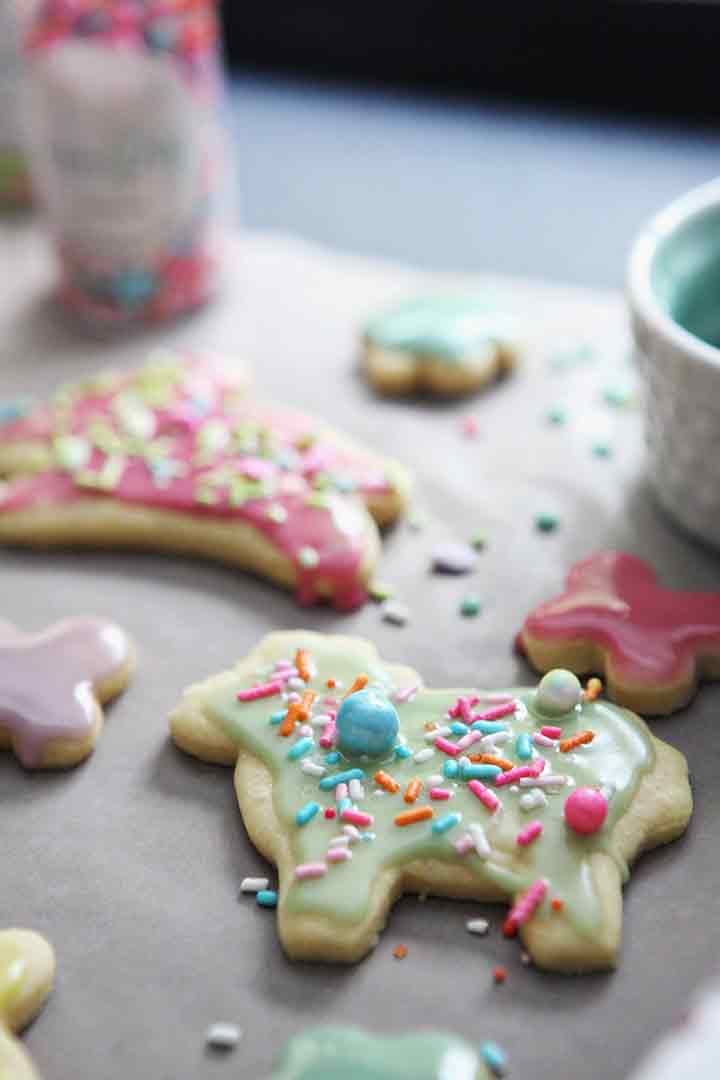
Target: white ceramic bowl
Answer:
[[674, 297]]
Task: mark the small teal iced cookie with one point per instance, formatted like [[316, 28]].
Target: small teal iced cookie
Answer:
[[444, 344], [333, 1052]]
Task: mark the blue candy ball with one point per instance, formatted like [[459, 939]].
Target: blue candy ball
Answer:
[[367, 723]]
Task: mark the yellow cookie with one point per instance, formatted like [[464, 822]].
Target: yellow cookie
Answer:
[[27, 967]]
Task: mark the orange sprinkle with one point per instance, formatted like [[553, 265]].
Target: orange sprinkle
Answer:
[[360, 682], [490, 759], [593, 689], [400, 952], [331, 684], [409, 817], [297, 710], [412, 790], [386, 781], [429, 725], [509, 928], [576, 740], [499, 975], [302, 661], [556, 904]]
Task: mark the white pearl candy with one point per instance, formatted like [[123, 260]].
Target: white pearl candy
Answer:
[[558, 692]]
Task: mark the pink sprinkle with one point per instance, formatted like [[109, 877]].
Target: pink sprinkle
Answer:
[[538, 766], [526, 905], [330, 812], [327, 738], [463, 708], [330, 701], [338, 854], [497, 712], [464, 844], [257, 468], [542, 740], [439, 793], [512, 775], [268, 689], [470, 427], [487, 797], [305, 730], [469, 739], [310, 870], [357, 817], [530, 833], [406, 694], [442, 743], [551, 732], [341, 792]]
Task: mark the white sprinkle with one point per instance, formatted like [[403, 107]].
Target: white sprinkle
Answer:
[[431, 736], [435, 779], [357, 791], [304, 731], [543, 740], [532, 799], [464, 760], [607, 790], [379, 791], [525, 959], [312, 768], [352, 833], [341, 792], [291, 697], [452, 558], [295, 683], [339, 841], [549, 780], [423, 755], [477, 926], [253, 884], [223, 1035], [480, 840], [514, 789], [495, 738], [320, 720], [394, 612]]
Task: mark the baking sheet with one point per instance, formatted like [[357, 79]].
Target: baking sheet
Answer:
[[131, 863]]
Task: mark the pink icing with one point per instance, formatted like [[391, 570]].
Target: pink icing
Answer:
[[650, 634], [324, 542], [47, 679]]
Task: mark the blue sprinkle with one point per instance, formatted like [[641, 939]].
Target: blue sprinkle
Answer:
[[451, 769], [488, 727], [523, 747], [444, 824], [494, 1057], [278, 717], [300, 749], [479, 772], [306, 813], [333, 757], [458, 728], [344, 804], [266, 898], [329, 782], [402, 752], [368, 837]]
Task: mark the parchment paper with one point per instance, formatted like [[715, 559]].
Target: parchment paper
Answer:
[[131, 863]]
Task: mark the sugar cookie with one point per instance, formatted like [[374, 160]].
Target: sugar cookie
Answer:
[[27, 967], [174, 456], [652, 645], [351, 1052], [472, 836], [52, 686], [444, 345]]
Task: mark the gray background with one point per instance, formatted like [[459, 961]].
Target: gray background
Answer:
[[131, 863]]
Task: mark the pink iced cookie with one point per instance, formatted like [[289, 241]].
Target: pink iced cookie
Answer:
[[52, 685], [652, 644]]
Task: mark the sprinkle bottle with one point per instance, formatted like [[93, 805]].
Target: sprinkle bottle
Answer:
[[124, 139]]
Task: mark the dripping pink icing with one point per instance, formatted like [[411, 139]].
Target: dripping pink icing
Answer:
[[47, 679], [334, 532], [650, 633]]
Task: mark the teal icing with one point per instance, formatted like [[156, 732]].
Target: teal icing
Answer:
[[332, 1053], [447, 327], [620, 755]]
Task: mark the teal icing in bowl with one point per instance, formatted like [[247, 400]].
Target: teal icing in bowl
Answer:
[[685, 274]]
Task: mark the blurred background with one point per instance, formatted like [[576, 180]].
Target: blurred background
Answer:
[[524, 137]]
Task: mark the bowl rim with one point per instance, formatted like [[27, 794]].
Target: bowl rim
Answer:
[[643, 301]]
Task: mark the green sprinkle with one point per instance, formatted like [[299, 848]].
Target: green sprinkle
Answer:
[[300, 749], [267, 898], [557, 415], [479, 541], [494, 1057], [308, 558], [601, 450], [546, 522], [380, 590], [306, 813], [523, 746], [617, 397], [470, 605]]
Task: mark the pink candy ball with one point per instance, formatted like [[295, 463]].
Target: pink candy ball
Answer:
[[585, 810]]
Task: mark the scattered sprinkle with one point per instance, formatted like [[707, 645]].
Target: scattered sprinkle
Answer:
[[306, 813], [477, 926], [358, 683], [254, 693], [310, 870], [330, 812], [452, 558], [440, 793], [400, 952], [470, 605], [525, 907], [395, 613], [470, 427], [384, 780], [494, 1056], [529, 833], [424, 755], [593, 689], [601, 449], [480, 840], [557, 415], [312, 768], [576, 740], [308, 558], [267, 898], [546, 522], [444, 824], [223, 1036], [556, 904], [499, 975], [380, 590], [479, 541], [302, 746], [253, 884], [410, 817], [523, 746], [337, 854]]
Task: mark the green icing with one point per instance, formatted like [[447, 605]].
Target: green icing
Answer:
[[619, 756], [442, 326], [332, 1052]]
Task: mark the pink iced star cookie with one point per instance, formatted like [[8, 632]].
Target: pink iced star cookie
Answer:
[[52, 685], [652, 644]]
